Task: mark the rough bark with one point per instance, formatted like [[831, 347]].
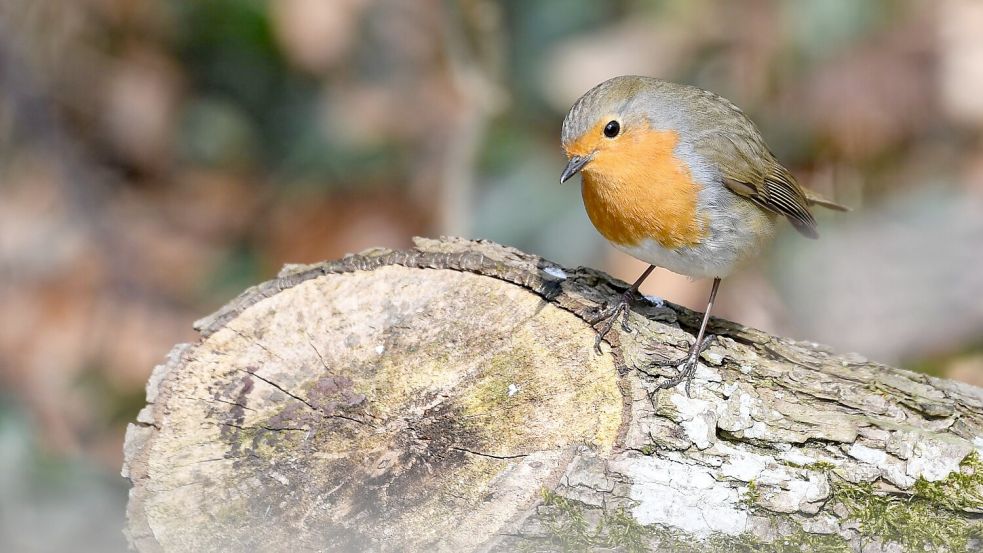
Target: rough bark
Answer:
[[448, 398]]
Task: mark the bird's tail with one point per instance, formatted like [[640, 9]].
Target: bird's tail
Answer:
[[815, 198]]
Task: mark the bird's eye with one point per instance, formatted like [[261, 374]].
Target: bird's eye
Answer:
[[612, 129]]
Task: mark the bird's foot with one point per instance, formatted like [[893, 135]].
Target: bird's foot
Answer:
[[611, 315], [686, 367]]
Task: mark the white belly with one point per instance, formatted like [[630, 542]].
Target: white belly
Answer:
[[726, 249], [693, 262]]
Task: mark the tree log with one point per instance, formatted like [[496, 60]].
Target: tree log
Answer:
[[449, 398]]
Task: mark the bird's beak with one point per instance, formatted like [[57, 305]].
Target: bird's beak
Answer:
[[574, 166]]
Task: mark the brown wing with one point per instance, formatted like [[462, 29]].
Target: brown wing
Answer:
[[778, 192], [750, 170]]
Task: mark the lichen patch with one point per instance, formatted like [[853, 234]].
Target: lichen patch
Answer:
[[685, 497]]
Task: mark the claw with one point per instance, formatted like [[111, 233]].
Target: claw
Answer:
[[621, 308], [687, 367], [686, 371], [624, 320], [611, 316], [690, 362], [597, 343]]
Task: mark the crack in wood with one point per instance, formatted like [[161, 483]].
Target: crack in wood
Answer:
[[282, 389], [314, 409], [216, 399], [489, 455], [265, 427]]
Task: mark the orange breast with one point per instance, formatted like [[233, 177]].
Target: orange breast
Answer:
[[636, 188]]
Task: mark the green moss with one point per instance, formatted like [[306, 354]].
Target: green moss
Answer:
[[917, 524], [751, 497], [797, 542], [819, 466], [491, 392], [571, 531], [546, 411], [960, 491], [927, 520]]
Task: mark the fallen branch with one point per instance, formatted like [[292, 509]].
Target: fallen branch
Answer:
[[447, 398]]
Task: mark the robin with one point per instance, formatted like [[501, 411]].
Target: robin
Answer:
[[679, 178]]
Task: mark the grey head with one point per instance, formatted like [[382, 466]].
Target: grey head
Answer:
[[628, 99], [625, 103], [704, 122]]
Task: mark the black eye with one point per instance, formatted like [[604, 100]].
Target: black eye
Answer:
[[612, 129]]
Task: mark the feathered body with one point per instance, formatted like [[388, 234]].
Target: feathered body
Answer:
[[687, 183]]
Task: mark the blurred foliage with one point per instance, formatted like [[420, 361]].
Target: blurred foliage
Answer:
[[51, 502]]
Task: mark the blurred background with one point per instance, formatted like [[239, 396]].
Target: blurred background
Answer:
[[158, 156]]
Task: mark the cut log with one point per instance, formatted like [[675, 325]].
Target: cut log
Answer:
[[449, 398]]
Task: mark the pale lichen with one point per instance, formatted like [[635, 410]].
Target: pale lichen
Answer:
[[570, 528], [932, 518]]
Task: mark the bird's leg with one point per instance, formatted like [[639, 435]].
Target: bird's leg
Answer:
[[687, 365], [621, 308]]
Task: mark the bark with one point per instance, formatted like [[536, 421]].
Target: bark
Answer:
[[448, 398]]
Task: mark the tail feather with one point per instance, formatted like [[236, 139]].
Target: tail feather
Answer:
[[815, 198]]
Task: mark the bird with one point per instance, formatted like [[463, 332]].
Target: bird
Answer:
[[680, 178]]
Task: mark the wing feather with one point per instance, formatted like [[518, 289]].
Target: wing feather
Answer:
[[750, 170]]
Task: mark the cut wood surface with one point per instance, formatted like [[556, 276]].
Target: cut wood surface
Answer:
[[448, 398]]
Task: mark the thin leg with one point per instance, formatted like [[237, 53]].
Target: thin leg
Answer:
[[621, 308], [687, 365]]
